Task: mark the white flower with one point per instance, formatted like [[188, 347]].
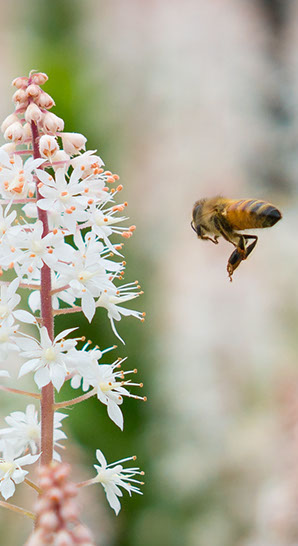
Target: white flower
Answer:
[[88, 274], [111, 302], [37, 250], [108, 380], [103, 223], [47, 358], [16, 177], [113, 476], [63, 295], [87, 162], [6, 220], [11, 472], [63, 197], [24, 431], [8, 329], [8, 298]]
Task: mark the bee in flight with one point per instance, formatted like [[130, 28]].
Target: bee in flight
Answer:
[[218, 216]]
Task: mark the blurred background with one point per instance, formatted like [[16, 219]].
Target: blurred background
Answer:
[[185, 100]]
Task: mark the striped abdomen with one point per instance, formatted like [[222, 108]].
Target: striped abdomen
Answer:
[[251, 213]]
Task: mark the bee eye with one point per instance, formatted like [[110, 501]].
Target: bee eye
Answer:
[[199, 231]]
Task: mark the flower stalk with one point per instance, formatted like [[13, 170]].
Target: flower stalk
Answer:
[[47, 392]]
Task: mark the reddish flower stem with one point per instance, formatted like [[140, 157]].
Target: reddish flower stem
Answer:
[[47, 392]]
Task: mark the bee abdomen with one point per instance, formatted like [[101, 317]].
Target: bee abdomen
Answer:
[[252, 213]]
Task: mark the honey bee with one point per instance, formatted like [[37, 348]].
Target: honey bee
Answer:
[[218, 216]]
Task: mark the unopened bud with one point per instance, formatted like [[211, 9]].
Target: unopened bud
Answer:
[[64, 538], [48, 146], [20, 82], [20, 97], [14, 132], [49, 521], [82, 533], [33, 113], [73, 142], [52, 123], [69, 510], [33, 91], [45, 100], [39, 78], [12, 118]]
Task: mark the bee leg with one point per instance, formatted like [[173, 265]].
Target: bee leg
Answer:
[[234, 261], [215, 241], [240, 253], [250, 248]]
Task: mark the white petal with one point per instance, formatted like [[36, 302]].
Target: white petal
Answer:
[[45, 204], [44, 337], [12, 288], [25, 316], [101, 458], [19, 475], [115, 413], [113, 500], [58, 375], [88, 306], [27, 459], [29, 366], [7, 488], [42, 377]]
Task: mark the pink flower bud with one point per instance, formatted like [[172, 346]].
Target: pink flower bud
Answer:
[[39, 78], [43, 504], [55, 494], [36, 539], [73, 142], [20, 82], [49, 521], [33, 113], [48, 146], [14, 132], [45, 101], [20, 97], [52, 123], [61, 472], [64, 538], [45, 482], [82, 533], [70, 490], [33, 91], [69, 510], [8, 121]]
